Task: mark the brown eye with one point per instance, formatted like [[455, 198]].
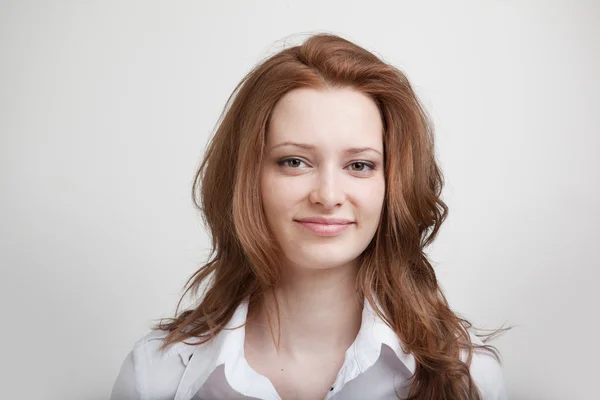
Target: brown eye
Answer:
[[290, 162], [360, 166]]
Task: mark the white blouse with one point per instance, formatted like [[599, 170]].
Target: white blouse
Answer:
[[375, 367]]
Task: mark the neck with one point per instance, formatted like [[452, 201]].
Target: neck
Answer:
[[318, 309]]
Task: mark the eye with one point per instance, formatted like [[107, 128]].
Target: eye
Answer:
[[359, 166], [290, 162]]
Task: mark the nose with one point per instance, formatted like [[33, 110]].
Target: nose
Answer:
[[328, 190]]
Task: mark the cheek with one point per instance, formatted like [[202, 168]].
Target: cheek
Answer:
[[279, 194], [370, 198]]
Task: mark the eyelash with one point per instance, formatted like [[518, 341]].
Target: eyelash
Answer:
[[282, 163]]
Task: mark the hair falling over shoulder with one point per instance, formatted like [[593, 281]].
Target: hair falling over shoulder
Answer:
[[394, 275]]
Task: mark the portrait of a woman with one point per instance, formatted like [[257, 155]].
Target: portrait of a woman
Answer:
[[320, 190]]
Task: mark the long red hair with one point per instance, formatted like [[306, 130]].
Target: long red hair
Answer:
[[394, 274]]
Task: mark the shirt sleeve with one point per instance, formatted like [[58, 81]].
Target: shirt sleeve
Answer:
[[486, 371], [125, 386]]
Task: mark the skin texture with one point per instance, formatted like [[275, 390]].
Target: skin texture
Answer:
[[324, 181], [320, 315]]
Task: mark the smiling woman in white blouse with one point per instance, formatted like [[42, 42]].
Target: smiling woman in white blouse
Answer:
[[321, 190]]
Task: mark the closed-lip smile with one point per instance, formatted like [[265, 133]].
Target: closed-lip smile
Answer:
[[325, 221], [323, 226]]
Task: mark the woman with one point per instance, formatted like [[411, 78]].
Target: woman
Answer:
[[321, 190]]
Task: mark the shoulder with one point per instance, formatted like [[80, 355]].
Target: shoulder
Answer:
[[487, 373], [149, 372]]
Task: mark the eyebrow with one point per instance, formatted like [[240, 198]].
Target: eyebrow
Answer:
[[351, 150]]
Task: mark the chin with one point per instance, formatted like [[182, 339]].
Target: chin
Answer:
[[316, 261]]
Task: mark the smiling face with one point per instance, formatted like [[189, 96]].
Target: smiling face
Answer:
[[322, 180]]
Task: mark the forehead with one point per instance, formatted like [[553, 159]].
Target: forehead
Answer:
[[329, 117]]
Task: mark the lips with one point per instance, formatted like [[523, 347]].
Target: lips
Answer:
[[325, 221], [325, 226]]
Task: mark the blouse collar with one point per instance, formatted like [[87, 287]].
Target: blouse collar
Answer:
[[228, 348]]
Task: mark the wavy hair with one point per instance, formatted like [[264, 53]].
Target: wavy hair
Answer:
[[394, 274]]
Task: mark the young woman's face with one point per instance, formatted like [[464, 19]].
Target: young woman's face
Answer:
[[322, 180]]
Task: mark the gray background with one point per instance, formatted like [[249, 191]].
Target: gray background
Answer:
[[105, 109]]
